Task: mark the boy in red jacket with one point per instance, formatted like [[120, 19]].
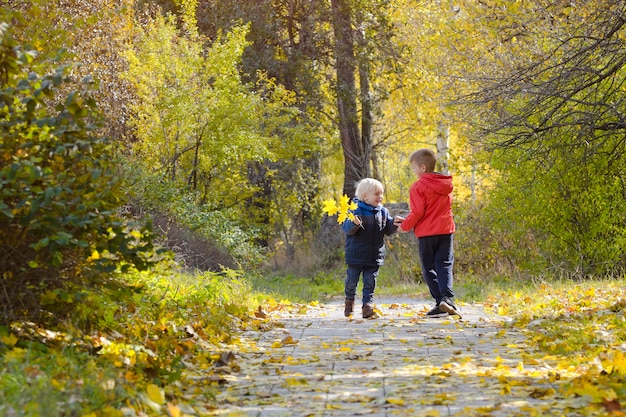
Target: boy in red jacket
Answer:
[[432, 222]]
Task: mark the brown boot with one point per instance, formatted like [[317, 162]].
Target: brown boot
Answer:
[[368, 312], [349, 308]]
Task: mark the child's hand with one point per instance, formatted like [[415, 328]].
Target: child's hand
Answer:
[[357, 220], [397, 221]]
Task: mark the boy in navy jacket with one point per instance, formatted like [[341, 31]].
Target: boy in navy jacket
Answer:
[[365, 245]]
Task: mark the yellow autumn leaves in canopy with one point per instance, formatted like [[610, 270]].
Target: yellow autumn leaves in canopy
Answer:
[[343, 209]]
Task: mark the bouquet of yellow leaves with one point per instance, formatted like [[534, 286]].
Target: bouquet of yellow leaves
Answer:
[[343, 209]]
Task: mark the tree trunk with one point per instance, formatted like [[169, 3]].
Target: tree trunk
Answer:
[[258, 204], [443, 141], [354, 162], [367, 120], [193, 179]]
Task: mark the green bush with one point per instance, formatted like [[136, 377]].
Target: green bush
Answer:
[[223, 228], [60, 193], [566, 219]]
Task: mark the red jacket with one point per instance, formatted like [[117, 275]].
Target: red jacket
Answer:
[[430, 200]]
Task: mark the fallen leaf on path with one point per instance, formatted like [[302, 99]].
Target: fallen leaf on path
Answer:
[[287, 341], [260, 313], [225, 359], [395, 401]]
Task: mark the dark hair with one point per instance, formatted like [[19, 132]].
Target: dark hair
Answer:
[[424, 157]]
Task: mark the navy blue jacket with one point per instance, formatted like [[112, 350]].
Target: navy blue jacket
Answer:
[[366, 245]]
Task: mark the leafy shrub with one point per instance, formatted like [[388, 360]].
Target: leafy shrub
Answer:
[[566, 219], [192, 249], [173, 204], [59, 194], [481, 248], [162, 329]]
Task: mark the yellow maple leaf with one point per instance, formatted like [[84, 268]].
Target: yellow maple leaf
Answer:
[[615, 363], [173, 410], [109, 411], [15, 354], [345, 204], [330, 207], [395, 401], [343, 209], [9, 340], [293, 382], [342, 217], [288, 341], [155, 394], [595, 392], [428, 413]]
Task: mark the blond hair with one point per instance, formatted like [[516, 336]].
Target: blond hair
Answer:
[[366, 186]]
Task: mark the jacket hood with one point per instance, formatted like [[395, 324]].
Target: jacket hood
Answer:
[[439, 183]]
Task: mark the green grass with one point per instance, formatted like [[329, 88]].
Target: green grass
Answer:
[[322, 286], [173, 321], [37, 381], [59, 376]]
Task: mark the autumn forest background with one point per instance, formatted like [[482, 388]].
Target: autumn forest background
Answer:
[[164, 163]]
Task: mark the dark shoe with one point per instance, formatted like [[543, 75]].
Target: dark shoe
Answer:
[[349, 308], [448, 306], [436, 312], [368, 312]]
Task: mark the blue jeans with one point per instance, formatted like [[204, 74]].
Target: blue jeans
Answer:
[[437, 258], [370, 272]]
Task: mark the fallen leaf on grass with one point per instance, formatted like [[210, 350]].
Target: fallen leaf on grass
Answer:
[[155, 394], [9, 340], [612, 405], [173, 410]]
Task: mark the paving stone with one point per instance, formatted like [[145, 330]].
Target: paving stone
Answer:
[[401, 364]]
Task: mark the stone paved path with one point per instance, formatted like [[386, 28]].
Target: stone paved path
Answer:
[[318, 363]]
